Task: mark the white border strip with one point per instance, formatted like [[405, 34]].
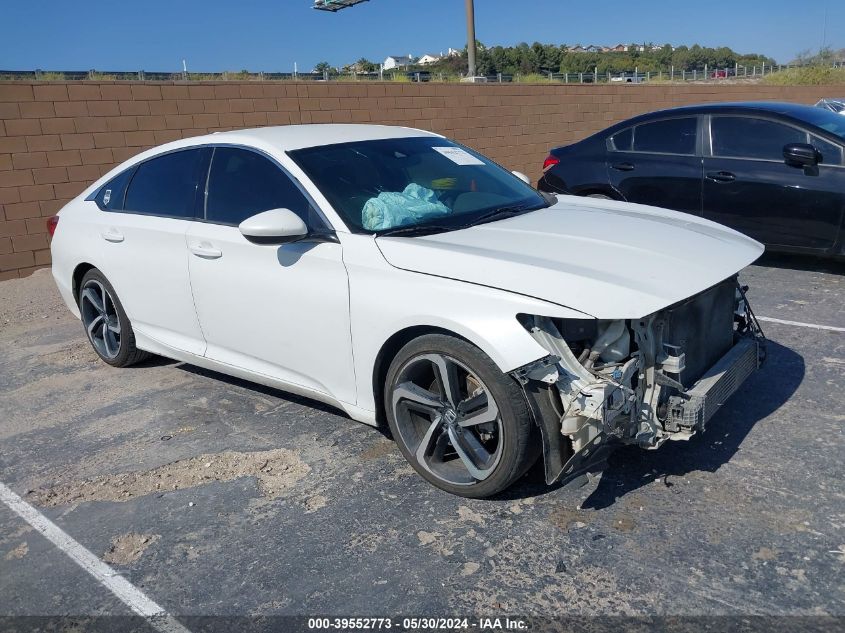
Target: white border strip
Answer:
[[125, 591], [814, 326]]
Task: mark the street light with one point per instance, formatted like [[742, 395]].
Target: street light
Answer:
[[335, 5]]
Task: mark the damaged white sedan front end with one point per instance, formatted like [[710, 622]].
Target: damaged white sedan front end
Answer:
[[667, 335], [638, 381]]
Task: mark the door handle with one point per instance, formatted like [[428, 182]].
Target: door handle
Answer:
[[623, 166], [112, 235], [205, 250], [721, 176]]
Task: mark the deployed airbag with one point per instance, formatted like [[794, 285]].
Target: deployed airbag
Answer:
[[391, 208]]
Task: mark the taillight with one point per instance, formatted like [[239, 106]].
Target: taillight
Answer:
[[550, 162], [52, 223]]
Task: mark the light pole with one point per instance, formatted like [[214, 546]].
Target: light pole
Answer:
[[471, 37]]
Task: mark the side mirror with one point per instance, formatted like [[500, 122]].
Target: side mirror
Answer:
[[277, 226], [522, 177], [801, 155]]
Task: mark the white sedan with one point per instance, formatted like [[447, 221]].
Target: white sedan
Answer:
[[411, 281]]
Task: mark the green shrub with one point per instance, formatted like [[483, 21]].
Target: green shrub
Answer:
[[532, 78], [807, 76]]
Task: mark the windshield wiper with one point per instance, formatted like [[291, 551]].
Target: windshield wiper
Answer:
[[417, 229], [501, 213]]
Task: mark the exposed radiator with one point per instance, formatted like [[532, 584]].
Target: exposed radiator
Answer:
[[699, 404]]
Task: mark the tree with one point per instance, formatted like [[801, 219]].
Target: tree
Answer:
[[364, 65], [323, 67]]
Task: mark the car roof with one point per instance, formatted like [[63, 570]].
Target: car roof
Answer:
[[777, 108], [282, 138], [292, 137]]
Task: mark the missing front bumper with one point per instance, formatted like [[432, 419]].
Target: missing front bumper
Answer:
[[690, 411]]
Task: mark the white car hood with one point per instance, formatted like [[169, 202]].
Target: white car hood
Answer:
[[607, 259]]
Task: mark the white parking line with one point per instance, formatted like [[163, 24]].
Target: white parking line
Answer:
[[829, 328], [125, 591]]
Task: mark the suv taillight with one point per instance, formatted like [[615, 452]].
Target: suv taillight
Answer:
[[550, 162], [52, 223]]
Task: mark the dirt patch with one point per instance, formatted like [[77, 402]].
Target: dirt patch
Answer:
[[470, 568], [276, 470], [314, 503], [127, 548], [624, 523], [427, 538], [19, 552], [378, 450], [32, 299], [569, 518], [765, 553]]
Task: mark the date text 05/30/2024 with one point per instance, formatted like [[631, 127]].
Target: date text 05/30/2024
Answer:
[[417, 624]]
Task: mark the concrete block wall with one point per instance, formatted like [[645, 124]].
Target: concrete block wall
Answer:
[[58, 137]]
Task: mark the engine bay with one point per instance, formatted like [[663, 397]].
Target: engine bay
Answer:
[[648, 380]]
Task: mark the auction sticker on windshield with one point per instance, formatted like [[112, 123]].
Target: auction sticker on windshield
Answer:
[[458, 155]]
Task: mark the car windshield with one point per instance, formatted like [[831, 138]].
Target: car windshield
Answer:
[[834, 105], [825, 119], [415, 184]]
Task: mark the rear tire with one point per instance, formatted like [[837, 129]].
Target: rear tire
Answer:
[[106, 324], [473, 443]]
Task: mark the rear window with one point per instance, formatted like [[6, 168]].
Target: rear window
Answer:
[[623, 141], [166, 185], [110, 196]]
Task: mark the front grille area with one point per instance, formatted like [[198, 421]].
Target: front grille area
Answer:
[[720, 382]]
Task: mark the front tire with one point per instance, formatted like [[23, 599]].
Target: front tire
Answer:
[[106, 324], [462, 424]]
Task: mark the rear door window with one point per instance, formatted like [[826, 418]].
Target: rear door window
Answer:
[[242, 183], [672, 136], [166, 185], [747, 137]]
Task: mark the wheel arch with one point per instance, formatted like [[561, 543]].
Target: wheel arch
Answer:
[[388, 352], [76, 277]]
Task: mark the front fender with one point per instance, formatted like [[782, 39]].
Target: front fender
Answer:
[[385, 300]]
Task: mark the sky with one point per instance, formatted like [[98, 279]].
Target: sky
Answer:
[[272, 35]]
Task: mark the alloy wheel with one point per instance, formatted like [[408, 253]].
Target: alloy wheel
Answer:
[[100, 318], [447, 419]]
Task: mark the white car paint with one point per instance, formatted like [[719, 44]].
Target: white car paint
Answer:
[[312, 318], [606, 259]]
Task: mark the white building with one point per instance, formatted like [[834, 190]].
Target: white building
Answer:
[[428, 58], [398, 61]]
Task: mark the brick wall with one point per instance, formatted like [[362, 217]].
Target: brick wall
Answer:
[[56, 138]]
